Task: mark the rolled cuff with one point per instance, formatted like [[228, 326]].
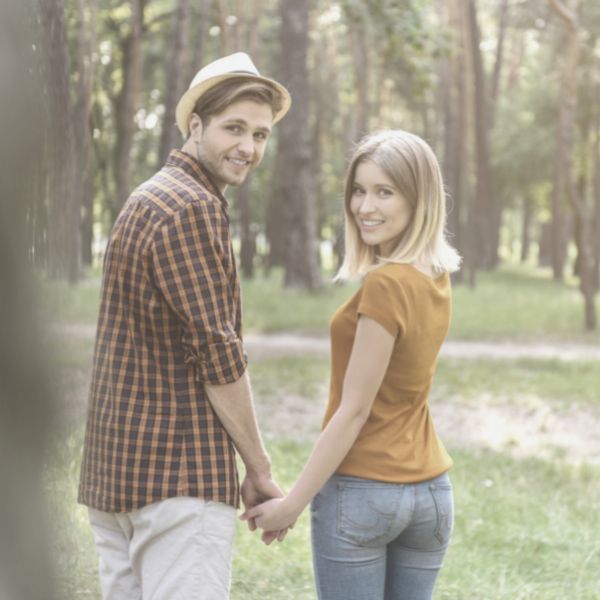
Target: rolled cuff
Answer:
[[219, 363]]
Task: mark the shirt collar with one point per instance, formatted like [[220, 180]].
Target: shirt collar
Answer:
[[189, 164]]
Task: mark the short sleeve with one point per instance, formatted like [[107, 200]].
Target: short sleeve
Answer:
[[190, 269], [382, 299]]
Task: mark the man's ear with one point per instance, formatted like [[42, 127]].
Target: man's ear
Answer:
[[195, 125]]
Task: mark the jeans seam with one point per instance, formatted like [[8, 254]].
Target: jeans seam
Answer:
[[439, 514]]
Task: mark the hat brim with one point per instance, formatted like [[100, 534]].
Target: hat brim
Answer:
[[188, 101]]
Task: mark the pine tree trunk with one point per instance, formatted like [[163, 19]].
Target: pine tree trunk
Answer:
[[175, 83], [484, 203], [568, 109], [452, 105], [26, 399], [247, 237], [63, 204], [199, 23], [126, 104], [293, 176], [86, 43], [596, 187], [527, 214], [357, 19]]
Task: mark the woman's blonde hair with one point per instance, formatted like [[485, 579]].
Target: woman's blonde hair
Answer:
[[411, 165]]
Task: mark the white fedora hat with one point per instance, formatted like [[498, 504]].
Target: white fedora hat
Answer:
[[228, 67]]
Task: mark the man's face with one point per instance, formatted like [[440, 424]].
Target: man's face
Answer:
[[233, 142]]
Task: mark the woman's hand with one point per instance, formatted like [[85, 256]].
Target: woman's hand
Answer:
[[273, 515]]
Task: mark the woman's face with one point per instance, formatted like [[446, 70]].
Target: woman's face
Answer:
[[380, 211]]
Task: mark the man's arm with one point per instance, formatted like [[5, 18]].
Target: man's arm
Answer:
[[233, 404]]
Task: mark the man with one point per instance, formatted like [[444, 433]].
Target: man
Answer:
[[170, 396]]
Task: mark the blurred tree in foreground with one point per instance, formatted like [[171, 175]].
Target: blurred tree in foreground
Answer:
[[25, 400]]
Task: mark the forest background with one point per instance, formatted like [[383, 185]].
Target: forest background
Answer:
[[507, 92]]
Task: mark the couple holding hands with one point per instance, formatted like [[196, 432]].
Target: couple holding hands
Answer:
[[170, 399]]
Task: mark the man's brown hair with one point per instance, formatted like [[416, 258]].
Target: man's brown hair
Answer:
[[217, 99]]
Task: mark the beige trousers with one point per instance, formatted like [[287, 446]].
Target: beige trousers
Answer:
[[176, 549]]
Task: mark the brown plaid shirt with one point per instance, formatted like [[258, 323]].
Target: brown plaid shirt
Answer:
[[170, 321]]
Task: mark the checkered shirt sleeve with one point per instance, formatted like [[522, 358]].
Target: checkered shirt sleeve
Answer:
[[191, 271]]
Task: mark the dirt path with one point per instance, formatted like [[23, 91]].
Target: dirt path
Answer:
[[261, 345], [526, 426]]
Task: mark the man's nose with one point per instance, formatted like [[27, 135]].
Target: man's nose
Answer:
[[246, 145]]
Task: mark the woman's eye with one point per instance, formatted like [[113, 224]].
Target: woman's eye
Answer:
[[356, 191], [384, 193]]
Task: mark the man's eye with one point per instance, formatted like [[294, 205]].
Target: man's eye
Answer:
[[235, 129], [260, 136]]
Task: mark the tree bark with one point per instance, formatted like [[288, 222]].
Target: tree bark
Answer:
[[566, 130], [126, 103], [499, 61], [225, 37], [596, 194], [357, 19], [526, 227], [63, 204], [175, 83], [199, 18], [484, 202], [86, 43], [26, 401], [453, 105], [247, 235], [293, 177]]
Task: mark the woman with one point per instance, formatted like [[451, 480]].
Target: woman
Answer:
[[382, 511]]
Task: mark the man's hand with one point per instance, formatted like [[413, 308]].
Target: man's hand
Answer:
[[256, 489], [276, 514]]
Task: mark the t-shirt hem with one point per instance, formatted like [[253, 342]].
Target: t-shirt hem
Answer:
[[408, 478]]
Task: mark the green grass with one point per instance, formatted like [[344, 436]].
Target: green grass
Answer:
[[73, 548], [514, 302], [563, 384], [268, 307], [303, 376], [62, 302], [519, 303], [525, 529]]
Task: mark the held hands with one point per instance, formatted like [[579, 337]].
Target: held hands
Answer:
[[272, 515], [256, 489]]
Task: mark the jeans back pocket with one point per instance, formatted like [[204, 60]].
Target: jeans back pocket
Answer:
[[367, 512]]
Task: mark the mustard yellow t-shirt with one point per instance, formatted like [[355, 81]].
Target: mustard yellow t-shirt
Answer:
[[398, 443]]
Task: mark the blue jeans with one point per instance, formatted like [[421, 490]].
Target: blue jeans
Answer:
[[380, 541]]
